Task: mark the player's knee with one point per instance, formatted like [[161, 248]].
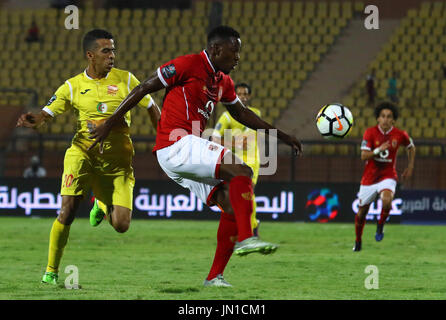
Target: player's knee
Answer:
[[122, 227], [121, 218], [246, 171], [68, 210]]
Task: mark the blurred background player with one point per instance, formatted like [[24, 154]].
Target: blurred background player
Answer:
[[244, 142], [93, 95], [35, 170], [194, 84], [379, 149]]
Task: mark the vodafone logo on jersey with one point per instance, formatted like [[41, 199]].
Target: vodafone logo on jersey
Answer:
[[209, 107]]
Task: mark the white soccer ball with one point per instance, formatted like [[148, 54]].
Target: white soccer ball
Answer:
[[334, 121]]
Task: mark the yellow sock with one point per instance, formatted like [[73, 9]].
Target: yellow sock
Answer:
[[58, 239], [254, 223], [102, 206]]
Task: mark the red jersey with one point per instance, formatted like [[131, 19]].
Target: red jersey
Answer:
[[193, 88], [383, 165]]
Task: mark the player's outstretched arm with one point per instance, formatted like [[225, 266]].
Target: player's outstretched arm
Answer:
[[154, 114], [245, 116], [33, 120], [151, 84], [407, 173]]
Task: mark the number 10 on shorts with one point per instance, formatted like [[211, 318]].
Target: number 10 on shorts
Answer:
[[67, 180]]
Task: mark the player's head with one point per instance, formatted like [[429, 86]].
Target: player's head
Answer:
[[224, 46], [243, 91], [386, 114], [99, 48]]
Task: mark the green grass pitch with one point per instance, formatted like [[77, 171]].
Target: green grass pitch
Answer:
[[165, 260]]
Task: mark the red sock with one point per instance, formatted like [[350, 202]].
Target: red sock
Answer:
[[241, 195], [383, 217], [359, 227], [227, 229]]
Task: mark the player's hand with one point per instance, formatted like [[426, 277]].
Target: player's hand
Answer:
[[99, 134], [295, 145], [27, 120], [407, 173], [384, 146]]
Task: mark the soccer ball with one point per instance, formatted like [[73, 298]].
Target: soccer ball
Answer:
[[334, 121]]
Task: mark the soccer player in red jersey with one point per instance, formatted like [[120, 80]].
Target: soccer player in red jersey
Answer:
[[379, 148], [194, 84]]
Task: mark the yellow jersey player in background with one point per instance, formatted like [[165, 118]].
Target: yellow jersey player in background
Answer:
[[107, 169], [244, 143]]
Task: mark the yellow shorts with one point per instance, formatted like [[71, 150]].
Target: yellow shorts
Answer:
[[109, 176]]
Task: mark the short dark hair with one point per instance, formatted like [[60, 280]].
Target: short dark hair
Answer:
[[243, 85], [386, 105], [89, 40], [222, 33]]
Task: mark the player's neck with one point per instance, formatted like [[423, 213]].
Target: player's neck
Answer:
[[95, 74], [206, 51], [383, 130]]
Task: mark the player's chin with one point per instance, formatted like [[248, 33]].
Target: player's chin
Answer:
[[226, 71]]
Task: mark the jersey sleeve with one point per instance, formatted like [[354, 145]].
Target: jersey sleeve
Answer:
[[229, 96], [60, 101], [407, 140], [224, 122], [175, 71], [367, 140], [132, 82]]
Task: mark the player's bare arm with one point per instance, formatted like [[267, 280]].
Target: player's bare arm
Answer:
[[33, 120], [367, 155], [154, 114], [407, 173], [151, 84], [248, 118]]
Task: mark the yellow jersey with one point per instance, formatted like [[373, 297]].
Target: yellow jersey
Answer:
[[93, 101], [251, 155]]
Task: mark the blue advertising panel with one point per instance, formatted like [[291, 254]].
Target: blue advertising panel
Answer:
[[309, 202], [423, 206]]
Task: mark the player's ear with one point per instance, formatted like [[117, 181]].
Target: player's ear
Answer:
[[89, 55], [217, 49]]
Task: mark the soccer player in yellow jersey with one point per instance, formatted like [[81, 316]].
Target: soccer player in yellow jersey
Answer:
[[244, 143], [107, 169]]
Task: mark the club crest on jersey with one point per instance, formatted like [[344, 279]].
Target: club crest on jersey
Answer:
[[102, 107], [168, 71], [112, 89], [394, 143], [213, 147], [51, 100], [209, 107]]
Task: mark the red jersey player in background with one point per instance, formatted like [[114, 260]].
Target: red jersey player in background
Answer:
[[194, 84], [379, 149]]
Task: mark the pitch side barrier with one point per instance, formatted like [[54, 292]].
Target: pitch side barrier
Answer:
[[276, 201]]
